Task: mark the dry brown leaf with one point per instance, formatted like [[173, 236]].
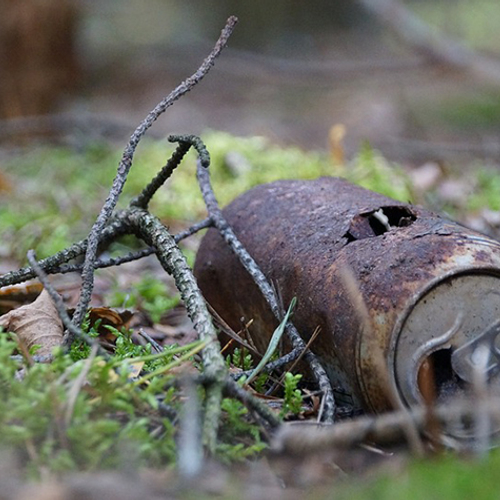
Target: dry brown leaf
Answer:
[[15, 296], [37, 323], [108, 316]]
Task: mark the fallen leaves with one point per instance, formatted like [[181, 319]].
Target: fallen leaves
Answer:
[[37, 323], [18, 295]]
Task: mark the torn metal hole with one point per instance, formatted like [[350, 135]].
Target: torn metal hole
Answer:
[[437, 381], [378, 222]]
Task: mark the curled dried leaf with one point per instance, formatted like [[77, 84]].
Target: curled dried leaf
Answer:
[[15, 296], [37, 323]]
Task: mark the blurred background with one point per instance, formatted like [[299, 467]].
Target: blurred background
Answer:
[[418, 79]]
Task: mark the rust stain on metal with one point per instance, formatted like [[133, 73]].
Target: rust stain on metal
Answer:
[[402, 259]]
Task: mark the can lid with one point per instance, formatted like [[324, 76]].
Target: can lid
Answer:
[[441, 344]]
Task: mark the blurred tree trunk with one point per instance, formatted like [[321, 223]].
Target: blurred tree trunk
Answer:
[[38, 60]]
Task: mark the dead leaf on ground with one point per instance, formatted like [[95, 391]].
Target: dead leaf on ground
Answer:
[[109, 317], [37, 323], [14, 296]]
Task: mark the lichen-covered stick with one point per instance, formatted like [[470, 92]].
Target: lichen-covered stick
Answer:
[[59, 305], [267, 291], [126, 163], [147, 227]]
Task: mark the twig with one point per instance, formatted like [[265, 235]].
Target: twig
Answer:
[[193, 229], [225, 328], [132, 256], [261, 281], [51, 264], [157, 347], [233, 390], [154, 233], [301, 354], [59, 305], [142, 201], [190, 452], [126, 163], [302, 439], [105, 263], [273, 365], [185, 143], [76, 386]]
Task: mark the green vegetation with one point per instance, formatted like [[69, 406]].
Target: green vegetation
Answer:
[[149, 293], [107, 418], [487, 192], [241, 437], [292, 401], [472, 23], [36, 215], [440, 478], [58, 422], [117, 409]]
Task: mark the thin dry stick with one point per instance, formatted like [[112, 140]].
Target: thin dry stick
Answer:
[[126, 163], [297, 358], [351, 286], [77, 385], [59, 305], [261, 281], [185, 143], [273, 365], [132, 256], [301, 355], [154, 233], [50, 265], [302, 439], [233, 390]]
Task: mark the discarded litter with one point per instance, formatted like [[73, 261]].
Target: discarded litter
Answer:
[[403, 297]]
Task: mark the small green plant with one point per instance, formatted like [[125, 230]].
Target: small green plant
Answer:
[[149, 294], [239, 428], [292, 400], [80, 349], [240, 358], [486, 192], [87, 432], [260, 383]]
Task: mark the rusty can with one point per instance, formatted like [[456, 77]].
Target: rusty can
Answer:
[[393, 287]]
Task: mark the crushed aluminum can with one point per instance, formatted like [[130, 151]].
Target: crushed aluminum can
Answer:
[[394, 288]]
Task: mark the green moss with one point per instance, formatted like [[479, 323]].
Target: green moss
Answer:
[[445, 478], [486, 192], [58, 192]]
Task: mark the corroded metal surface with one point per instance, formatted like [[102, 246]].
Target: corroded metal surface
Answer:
[[392, 286]]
